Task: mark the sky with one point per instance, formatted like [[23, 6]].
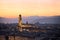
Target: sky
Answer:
[[12, 8]]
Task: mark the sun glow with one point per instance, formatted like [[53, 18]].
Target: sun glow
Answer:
[[12, 8]]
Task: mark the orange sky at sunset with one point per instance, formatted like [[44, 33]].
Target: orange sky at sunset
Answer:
[[12, 8]]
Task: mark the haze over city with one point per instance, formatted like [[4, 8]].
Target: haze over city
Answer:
[[29, 19], [12, 8]]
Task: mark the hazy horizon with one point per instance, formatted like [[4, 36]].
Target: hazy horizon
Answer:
[[33, 19], [31, 16]]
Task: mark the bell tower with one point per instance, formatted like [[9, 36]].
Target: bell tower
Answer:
[[20, 22]]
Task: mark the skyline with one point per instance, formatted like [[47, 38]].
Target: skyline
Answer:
[[12, 8]]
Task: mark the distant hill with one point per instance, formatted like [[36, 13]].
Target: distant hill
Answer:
[[8, 20], [49, 20], [33, 19], [43, 20]]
